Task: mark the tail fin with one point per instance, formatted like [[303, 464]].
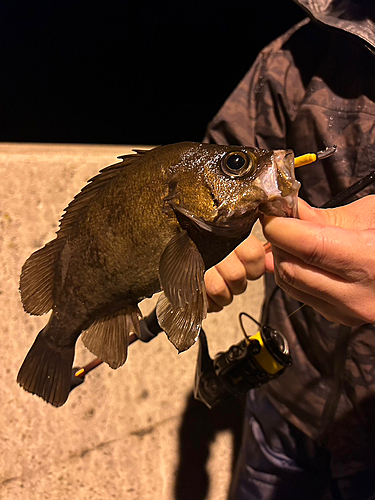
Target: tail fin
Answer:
[[46, 371]]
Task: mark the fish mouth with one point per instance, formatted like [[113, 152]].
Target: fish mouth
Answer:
[[280, 186]]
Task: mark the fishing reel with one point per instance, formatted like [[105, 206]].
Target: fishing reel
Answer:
[[251, 363], [246, 365]]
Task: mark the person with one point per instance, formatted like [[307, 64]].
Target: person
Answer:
[[310, 434]]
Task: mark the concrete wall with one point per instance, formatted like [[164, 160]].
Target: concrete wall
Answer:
[[133, 433]]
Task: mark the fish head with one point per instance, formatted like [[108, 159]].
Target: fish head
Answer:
[[224, 189]]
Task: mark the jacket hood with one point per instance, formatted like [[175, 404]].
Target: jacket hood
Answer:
[[353, 16]]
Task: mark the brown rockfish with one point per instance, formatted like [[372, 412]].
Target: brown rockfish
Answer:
[[154, 221]]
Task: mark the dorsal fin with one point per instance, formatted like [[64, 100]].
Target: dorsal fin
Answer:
[[138, 151], [83, 199]]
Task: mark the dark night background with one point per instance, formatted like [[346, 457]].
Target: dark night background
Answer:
[[129, 71]]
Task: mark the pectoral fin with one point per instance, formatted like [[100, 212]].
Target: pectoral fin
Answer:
[[108, 338], [182, 306]]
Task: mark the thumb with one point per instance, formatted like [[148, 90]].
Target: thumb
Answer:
[[359, 215]]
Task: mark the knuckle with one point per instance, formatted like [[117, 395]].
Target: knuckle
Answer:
[[215, 286], [318, 252], [256, 270], [285, 275], [252, 254], [254, 261], [237, 274]]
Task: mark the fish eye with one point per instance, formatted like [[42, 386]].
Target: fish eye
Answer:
[[237, 163]]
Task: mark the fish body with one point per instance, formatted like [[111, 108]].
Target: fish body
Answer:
[[154, 221]]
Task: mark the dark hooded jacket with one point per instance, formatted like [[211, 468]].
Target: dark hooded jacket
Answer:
[[315, 86]]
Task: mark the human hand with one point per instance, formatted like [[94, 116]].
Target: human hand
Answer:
[[327, 259], [229, 277]]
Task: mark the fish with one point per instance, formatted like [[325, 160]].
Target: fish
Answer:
[[154, 221]]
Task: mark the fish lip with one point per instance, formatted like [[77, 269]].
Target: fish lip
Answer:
[[282, 192]]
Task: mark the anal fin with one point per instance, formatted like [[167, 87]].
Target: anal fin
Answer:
[[108, 337]]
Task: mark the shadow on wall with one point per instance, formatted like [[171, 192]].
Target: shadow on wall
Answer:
[[192, 480]]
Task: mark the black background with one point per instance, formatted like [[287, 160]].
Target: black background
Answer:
[[126, 72]]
